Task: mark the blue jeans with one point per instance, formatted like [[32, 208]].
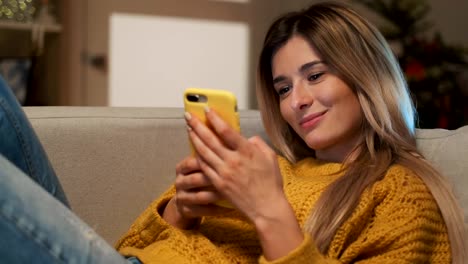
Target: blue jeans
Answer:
[[36, 224]]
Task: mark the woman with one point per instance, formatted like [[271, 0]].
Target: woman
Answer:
[[336, 106], [350, 187]]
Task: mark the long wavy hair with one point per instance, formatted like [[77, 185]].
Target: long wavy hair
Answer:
[[359, 54]]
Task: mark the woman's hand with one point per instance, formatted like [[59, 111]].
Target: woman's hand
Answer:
[[246, 173], [194, 196]]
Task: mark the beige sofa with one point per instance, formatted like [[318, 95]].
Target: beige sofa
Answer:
[[113, 161]]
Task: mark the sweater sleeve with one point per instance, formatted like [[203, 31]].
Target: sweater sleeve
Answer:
[[304, 253], [147, 227]]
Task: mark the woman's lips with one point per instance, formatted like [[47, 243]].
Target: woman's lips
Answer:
[[312, 119]]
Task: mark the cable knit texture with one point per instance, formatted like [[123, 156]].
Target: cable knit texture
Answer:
[[396, 221]]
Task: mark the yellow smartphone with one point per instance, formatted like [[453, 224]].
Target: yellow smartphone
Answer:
[[222, 101]]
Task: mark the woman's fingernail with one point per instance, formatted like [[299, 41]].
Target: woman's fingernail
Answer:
[[207, 109], [187, 116], [189, 128]]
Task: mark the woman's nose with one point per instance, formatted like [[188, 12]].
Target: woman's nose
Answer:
[[301, 97]]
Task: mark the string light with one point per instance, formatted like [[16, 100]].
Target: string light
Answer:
[[18, 10]]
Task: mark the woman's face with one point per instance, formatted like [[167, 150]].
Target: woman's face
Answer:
[[318, 105]]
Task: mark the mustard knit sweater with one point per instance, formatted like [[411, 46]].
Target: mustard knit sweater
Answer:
[[396, 221]]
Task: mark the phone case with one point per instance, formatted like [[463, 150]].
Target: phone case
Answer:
[[223, 102]]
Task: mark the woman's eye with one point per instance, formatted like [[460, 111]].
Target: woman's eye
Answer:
[[283, 90], [314, 77]]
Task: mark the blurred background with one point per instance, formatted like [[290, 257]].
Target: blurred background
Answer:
[[146, 52]]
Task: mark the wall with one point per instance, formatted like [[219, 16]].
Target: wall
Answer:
[[72, 44], [450, 18]]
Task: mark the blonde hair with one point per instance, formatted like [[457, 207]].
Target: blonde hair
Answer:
[[359, 54]]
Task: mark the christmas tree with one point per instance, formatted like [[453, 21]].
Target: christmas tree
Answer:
[[434, 69]]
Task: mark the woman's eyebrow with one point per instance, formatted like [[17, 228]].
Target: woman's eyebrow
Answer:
[[302, 69], [279, 79], [309, 65]]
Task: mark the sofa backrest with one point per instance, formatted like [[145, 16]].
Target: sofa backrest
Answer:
[[447, 150], [113, 162]]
